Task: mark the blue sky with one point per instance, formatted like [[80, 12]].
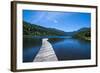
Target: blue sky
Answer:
[[66, 21]]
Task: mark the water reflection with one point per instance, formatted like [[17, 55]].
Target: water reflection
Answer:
[[66, 48]]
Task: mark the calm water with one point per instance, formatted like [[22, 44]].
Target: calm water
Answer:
[[66, 48]]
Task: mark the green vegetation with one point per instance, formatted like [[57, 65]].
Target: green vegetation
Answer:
[[84, 33], [36, 30], [30, 30]]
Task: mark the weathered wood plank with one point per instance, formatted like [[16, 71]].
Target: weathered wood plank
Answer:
[[46, 52]]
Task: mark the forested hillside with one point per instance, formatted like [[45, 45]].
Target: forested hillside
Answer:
[[36, 30]]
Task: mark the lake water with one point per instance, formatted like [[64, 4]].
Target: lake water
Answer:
[[66, 48]]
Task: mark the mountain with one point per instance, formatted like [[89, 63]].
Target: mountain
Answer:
[[83, 33], [36, 30]]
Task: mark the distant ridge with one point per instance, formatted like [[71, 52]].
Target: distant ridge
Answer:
[[36, 30], [83, 33]]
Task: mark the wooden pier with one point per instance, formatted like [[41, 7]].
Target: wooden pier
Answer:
[[46, 52]]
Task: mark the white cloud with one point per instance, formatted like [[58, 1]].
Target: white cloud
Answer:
[[55, 21]]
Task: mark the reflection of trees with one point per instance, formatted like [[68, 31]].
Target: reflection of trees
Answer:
[[31, 42], [54, 40]]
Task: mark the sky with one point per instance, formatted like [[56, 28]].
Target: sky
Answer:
[[65, 21]]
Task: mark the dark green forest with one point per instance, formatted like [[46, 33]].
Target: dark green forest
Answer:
[[84, 33], [36, 30]]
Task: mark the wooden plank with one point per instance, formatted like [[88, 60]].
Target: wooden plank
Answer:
[[46, 52]]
